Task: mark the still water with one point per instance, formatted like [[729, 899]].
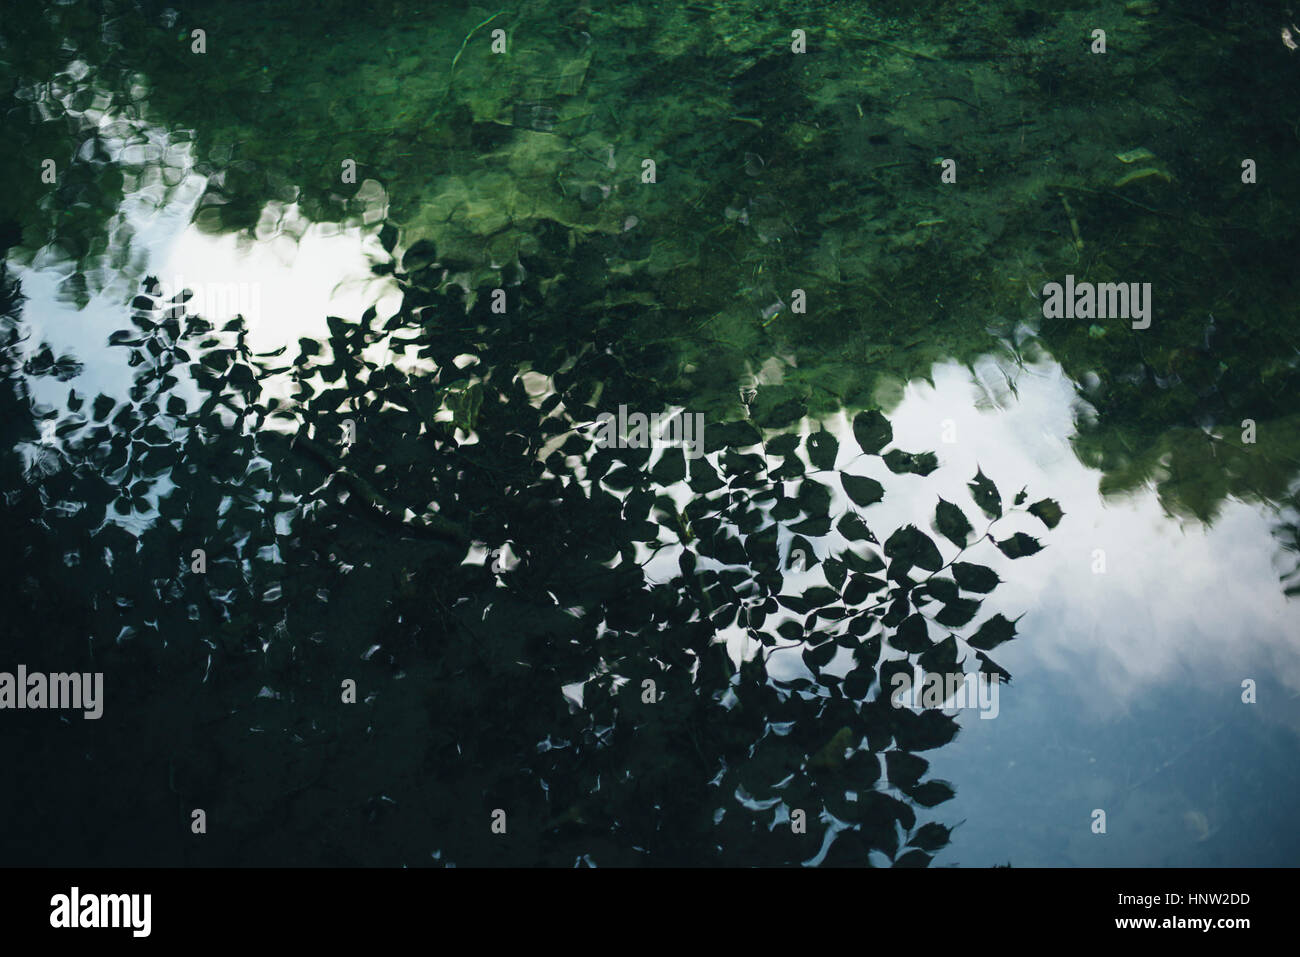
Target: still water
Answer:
[[399, 490]]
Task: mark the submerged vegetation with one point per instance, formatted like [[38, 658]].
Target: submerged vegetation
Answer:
[[775, 172]]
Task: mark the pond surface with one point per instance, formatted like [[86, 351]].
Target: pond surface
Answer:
[[310, 322]]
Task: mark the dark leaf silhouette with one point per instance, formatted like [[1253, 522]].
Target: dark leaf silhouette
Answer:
[[909, 547], [913, 858], [1019, 545], [819, 656], [733, 434], [861, 587], [822, 449], [932, 793], [930, 837], [924, 731], [976, 578], [904, 770], [1048, 511], [938, 589], [862, 491], [704, 477], [835, 572], [941, 658], [914, 463], [853, 528], [802, 553], [986, 495], [992, 633], [670, 469], [912, 635], [958, 612], [952, 523], [615, 581], [872, 431]]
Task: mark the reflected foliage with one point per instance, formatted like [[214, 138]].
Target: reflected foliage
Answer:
[[640, 657]]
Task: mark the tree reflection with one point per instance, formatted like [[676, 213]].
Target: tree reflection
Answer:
[[534, 623]]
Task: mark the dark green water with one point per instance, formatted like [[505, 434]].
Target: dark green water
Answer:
[[310, 317]]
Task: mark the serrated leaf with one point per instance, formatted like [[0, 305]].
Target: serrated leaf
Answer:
[[1048, 511], [862, 491], [861, 587], [986, 495], [852, 527], [783, 444], [992, 633], [942, 657], [814, 497], [932, 793], [820, 595], [957, 613], [913, 547], [822, 449], [912, 635], [872, 431], [952, 523], [938, 588], [1019, 545], [976, 578], [930, 837]]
